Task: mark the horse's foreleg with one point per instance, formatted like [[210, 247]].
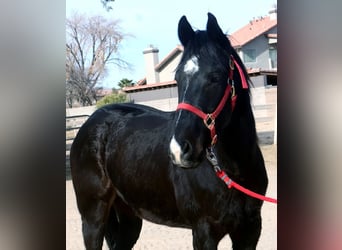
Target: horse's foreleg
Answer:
[[205, 237], [246, 235]]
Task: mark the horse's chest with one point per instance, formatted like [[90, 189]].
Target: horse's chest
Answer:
[[197, 199]]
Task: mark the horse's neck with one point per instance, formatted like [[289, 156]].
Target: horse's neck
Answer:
[[238, 140]]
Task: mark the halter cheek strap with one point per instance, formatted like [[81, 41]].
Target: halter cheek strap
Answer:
[[242, 75]]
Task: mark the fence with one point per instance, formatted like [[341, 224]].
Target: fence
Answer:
[[264, 107], [73, 124]]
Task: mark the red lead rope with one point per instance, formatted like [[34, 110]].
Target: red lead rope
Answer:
[[230, 183]]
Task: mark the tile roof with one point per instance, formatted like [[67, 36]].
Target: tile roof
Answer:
[[150, 86], [252, 30], [141, 82]]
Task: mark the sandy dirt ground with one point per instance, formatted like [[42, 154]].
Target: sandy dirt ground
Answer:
[[158, 237]]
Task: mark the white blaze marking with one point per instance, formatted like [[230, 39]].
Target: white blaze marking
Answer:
[[180, 112], [175, 150], [191, 66]]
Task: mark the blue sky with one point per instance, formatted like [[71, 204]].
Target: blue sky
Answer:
[[155, 22]]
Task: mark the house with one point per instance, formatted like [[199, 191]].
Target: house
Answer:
[[158, 88], [256, 44]]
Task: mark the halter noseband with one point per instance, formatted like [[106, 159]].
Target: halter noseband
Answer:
[[209, 119]]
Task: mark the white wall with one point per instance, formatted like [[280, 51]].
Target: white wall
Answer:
[[168, 73]]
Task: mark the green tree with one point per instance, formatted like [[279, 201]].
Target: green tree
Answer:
[[125, 83]]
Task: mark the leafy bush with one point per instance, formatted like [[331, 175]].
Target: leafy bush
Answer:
[[112, 98]]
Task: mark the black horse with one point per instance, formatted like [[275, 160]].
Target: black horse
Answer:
[[131, 162]]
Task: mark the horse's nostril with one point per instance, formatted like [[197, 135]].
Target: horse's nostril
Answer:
[[187, 150]]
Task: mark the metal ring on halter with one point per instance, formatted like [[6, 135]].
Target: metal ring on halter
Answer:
[[209, 121], [231, 64], [233, 90]]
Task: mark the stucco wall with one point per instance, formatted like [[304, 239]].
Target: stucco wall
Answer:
[[154, 94], [260, 44], [168, 73], [259, 81]]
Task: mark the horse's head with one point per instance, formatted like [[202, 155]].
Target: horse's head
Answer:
[[204, 91]]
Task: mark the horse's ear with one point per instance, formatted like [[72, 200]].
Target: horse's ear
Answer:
[[214, 30], [185, 32]]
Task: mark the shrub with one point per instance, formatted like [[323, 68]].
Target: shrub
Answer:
[[112, 98]]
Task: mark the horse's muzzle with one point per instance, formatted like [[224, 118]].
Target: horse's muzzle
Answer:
[[182, 156]]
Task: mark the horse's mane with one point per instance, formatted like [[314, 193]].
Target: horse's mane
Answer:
[[245, 135]]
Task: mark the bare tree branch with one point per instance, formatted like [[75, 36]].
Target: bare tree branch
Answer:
[[92, 44]]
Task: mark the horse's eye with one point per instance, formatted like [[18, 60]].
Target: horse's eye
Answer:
[[214, 78]]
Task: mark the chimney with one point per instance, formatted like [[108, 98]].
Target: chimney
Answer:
[[273, 12], [151, 60]]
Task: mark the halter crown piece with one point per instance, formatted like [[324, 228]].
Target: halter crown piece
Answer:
[[209, 122]]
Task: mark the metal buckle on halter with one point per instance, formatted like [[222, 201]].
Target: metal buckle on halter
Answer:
[[209, 121]]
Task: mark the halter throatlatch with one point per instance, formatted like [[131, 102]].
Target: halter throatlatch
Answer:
[[209, 122]]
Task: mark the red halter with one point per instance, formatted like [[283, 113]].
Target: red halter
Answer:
[[209, 122], [209, 119]]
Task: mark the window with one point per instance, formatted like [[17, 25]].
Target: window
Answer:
[[249, 55], [273, 55]]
